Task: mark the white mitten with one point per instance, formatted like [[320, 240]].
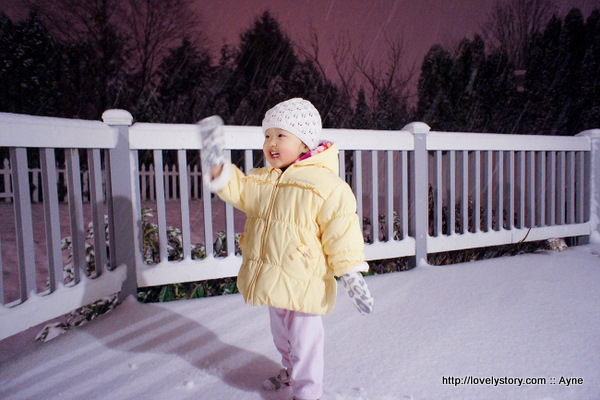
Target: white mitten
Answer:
[[213, 142], [357, 290]]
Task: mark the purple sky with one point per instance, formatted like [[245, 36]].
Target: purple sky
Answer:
[[421, 23]]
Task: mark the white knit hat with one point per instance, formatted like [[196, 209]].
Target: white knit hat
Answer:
[[297, 116]]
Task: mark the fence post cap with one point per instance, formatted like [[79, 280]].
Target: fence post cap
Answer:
[[117, 117], [417, 127], [592, 133]]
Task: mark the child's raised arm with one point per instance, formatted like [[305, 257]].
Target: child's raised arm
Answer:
[[213, 143]]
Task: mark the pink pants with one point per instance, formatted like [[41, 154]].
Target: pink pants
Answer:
[[299, 338]]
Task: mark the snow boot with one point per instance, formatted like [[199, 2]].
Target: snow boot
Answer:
[[275, 383]]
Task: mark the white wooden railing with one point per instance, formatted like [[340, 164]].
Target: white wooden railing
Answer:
[[503, 189], [147, 179]]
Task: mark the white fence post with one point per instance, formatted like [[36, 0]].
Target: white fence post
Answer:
[[123, 182], [593, 168], [420, 189]]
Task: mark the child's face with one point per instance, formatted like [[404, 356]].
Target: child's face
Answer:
[[281, 148]]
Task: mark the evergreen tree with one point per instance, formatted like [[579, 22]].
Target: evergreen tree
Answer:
[[589, 96], [361, 118], [554, 78], [93, 76], [390, 112], [222, 83], [307, 81], [7, 64], [541, 79], [29, 67], [497, 96], [573, 41], [472, 91], [462, 78], [265, 53], [433, 107]]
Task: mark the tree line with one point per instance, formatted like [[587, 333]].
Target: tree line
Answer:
[[164, 72]]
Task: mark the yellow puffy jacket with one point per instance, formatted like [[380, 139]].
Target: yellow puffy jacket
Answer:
[[301, 231]]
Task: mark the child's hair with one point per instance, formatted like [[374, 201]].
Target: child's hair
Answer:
[[297, 116]]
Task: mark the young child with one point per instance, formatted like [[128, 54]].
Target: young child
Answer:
[[301, 232]]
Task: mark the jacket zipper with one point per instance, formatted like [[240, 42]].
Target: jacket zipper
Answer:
[[264, 234]]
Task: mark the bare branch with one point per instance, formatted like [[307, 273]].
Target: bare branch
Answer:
[[393, 77], [311, 50], [512, 23], [341, 53]]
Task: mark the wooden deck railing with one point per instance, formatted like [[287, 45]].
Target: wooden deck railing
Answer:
[[418, 192]]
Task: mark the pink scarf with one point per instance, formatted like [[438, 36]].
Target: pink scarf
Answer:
[[319, 149]]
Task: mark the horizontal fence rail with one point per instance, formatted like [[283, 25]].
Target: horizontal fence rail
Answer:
[[137, 213]]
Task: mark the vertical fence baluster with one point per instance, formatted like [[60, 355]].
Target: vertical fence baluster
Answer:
[[136, 207], [560, 192], [248, 161], [521, 185], [452, 192], [342, 165], [184, 204], [208, 228], [541, 194], [439, 191], [76, 213], [464, 200], [580, 188], [161, 213], [375, 195], [510, 178], [551, 200], [188, 175], [390, 196], [229, 228], [531, 174], [23, 221], [51, 219], [358, 189], [500, 195], [112, 259], [96, 199], [477, 201], [570, 187], [489, 173], [404, 193]]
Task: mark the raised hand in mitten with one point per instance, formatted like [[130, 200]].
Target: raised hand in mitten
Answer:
[[359, 293], [213, 143]]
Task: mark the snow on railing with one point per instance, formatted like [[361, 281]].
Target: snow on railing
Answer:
[[418, 192]]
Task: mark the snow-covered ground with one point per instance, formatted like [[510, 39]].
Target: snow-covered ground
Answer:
[[507, 319]]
